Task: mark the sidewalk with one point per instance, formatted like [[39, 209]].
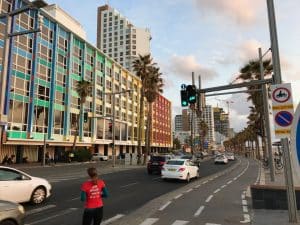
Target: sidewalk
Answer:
[[274, 217]]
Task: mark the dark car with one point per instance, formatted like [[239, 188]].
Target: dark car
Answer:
[[156, 163]]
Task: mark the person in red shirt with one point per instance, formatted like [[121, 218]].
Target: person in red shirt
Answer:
[[92, 192]]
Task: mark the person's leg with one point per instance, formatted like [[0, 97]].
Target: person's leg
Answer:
[[87, 216], [98, 215]]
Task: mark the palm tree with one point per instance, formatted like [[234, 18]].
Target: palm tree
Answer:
[[84, 89], [153, 87], [142, 67]]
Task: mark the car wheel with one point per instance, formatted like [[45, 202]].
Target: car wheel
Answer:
[[38, 195], [8, 222], [198, 174], [188, 178]]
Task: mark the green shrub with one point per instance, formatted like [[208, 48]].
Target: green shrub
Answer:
[[83, 155]]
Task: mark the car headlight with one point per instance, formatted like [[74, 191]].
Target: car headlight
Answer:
[[21, 209]]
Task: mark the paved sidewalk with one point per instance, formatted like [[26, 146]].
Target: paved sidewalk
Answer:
[[274, 217]]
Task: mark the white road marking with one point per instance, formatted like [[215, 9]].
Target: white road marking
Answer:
[[245, 209], [178, 196], [73, 199], [127, 185], [229, 182], [204, 182], [180, 222], [244, 202], [189, 190], [246, 219], [243, 196], [216, 191], [199, 211], [112, 219], [197, 186], [212, 224], [156, 178], [223, 186], [64, 212], [235, 178], [165, 206], [149, 221], [209, 198], [40, 209]]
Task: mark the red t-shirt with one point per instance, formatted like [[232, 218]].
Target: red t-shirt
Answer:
[[93, 193]]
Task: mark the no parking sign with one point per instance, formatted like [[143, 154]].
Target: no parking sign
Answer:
[[295, 146]]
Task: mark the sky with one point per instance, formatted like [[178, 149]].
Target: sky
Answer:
[[213, 38]]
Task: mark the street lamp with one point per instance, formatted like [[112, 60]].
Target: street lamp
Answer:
[[35, 5], [113, 122]]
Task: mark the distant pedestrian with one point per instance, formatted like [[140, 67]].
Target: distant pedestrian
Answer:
[[92, 192]]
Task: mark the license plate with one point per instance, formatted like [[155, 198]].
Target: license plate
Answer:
[[154, 163], [172, 169]]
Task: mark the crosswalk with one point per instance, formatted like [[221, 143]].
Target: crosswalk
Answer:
[[60, 178], [151, 221]]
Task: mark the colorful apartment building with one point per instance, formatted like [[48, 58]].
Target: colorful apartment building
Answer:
[[40, 99]]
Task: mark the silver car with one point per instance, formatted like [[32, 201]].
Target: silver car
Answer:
[[11, 213]]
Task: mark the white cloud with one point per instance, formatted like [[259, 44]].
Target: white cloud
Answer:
[[183, 66], [241, 12]]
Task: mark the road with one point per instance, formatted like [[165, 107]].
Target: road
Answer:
[[219, 200], [128, 191]]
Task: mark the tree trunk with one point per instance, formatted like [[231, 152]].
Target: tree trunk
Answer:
[[141, 127], [77, 132], [257, 148], [149, 132]]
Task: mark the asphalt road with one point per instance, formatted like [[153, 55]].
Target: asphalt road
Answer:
[[220, 200], [128, 191]]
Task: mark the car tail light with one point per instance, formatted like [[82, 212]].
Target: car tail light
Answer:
[[161, 163], [181, 169], [162, 168]]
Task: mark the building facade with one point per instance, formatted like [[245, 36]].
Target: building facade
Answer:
[[178, 123], [40, 100], [208, 117], [161, 139], [119, 38], [221, 120]]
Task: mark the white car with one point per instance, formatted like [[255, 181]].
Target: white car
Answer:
[[221, 159], [17, 186], [230, 156], [182, 169], [99, 157]]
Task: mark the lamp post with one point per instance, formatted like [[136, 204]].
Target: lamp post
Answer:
[[113, 121], [9, 33]]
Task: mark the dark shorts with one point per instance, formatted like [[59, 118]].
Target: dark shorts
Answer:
[[92, 215]]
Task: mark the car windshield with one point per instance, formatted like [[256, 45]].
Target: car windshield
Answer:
[[187, 157], [175, 162], [158, 158]]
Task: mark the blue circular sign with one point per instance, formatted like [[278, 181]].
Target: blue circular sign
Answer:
[[298, 140], [284, 118]]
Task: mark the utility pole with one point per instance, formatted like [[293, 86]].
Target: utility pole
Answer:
[[266, 117], [192, 122], [284, 141], [113, 130]]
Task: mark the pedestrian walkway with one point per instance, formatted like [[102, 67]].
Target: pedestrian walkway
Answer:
[[274, 217]]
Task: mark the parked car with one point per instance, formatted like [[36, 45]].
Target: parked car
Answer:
[[99, 157], [182, 169], [11, 213], [156, 162], [221, 159], [17, 186], [230, 156], [193, 158]]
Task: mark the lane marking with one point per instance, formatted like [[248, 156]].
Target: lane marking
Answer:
[[189, 190], [149, 221], [235, 178], [229, 182], [156, 178], [243, 196], [180, 222], [73, 199], [131, 184], [197, 186], [246, 219], [244, 202], [212, 224], [178, 196], [112, 219], [40, 209], [245, 209], [165, 206], [223, 186], [216, 191], [64, 212], [204, 182], [199, 211], [209, 198]]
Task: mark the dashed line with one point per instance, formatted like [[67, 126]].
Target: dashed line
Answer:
[[178, 196], [216, 191], [112, 219], [180, 222], [199, 211], [245, 209], [165, 206], [244, 202], [149, 221], [127, 185], [189, 190], [197, 186], [204, 182], [40, 209], [209, 198], [223, 186], [229, 182], [246, 219]]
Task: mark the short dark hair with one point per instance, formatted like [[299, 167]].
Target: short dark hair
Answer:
[[92, 172]]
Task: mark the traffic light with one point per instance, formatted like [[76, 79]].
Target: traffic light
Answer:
[[85, 117], [192, 94], [184, 98], [110, 127]]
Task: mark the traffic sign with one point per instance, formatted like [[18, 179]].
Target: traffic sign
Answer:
[[283, 109], [295, 146], [284, 118], [183, 86]]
